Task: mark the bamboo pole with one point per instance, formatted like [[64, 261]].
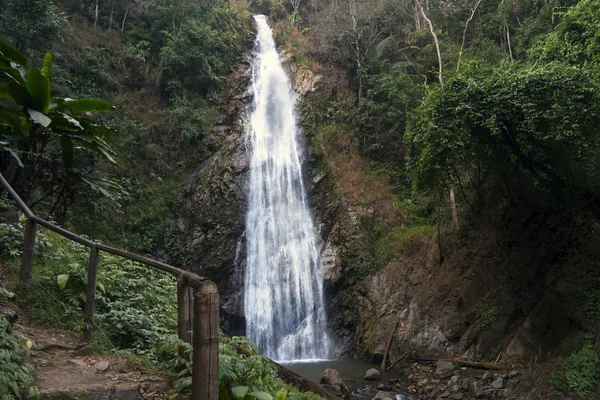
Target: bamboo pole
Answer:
[[28, 251], [205, 368], [90, 297]]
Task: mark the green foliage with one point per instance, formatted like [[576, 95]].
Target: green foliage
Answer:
[[16, 373], [508, 125], [36, 126], [31, 24], [575, 40], [382, 116], [578, 373]]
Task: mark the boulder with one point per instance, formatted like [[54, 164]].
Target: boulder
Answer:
[[102, 365], [331, 380], [384, 396], [498, 383], [372, 375], [444, 368], [78, 363], [83, 351], [476, 389]]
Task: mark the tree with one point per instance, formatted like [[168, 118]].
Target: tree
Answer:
[[348, 30], [511, 129], [36, 125], [31, 24]]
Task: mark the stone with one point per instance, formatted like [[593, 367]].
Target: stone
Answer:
[[372, 375], [384, 387], [126, 393], [487, 375], [78, 363], [465, 384], [445, 395], [498, 383], [83, 351], [384, 396], [476, 390], [457, 396], [423, 382], [513, 374], [444, 368], [102, 365], [454, 380], [332, 380]]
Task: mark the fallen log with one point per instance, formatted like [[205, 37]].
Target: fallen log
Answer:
[[465, 363], [473, 364], [302, 383], [398, 360]]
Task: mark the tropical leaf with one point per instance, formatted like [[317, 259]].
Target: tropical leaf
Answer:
[[47, 69], [239, 392], [67, 150], [38, 87], [62, 281], [39, 118], [261, 395], [12, 54]]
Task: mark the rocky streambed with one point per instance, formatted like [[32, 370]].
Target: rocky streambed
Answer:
[[444, 379]]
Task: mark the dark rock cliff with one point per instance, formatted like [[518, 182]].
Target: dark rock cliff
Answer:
[[511, 290]]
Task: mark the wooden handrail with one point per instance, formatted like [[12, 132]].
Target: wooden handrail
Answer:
[[198, 299]]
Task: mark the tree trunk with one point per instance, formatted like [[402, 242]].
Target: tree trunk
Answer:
[[112, 13], [453, 206], [437, 44], [124, 20], [96, 14], [462, 46], [508, 42]]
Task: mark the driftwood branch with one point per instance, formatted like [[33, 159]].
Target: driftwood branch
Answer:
[[398, 360], [466, 363]]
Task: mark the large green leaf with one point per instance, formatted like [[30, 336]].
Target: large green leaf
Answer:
[[67, 150], [19, 93], [261, 395], [47, 69], [11, 117], [39, 118], [85, 105], [38, 87], [12, 54], [62, 281], [239, 392]]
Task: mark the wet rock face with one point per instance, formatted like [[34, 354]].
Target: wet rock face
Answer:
[[203, 235], [206, 234]]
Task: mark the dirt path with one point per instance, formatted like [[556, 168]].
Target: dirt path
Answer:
[[66, 368]]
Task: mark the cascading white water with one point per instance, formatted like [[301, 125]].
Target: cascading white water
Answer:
[[283, 295]]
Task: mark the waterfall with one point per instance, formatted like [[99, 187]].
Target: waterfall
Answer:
[[283, 296]]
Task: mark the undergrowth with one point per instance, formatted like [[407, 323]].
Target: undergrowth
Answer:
[[16, 373], [136, 314], [578, 373]]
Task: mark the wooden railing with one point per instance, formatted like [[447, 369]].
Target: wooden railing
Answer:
[[197, 299]]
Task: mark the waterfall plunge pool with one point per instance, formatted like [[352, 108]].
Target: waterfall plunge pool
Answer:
[[351, 371]]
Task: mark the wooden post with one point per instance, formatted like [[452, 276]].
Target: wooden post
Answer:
[[205, 368], [184, 324], [28, 250], [91, 288]]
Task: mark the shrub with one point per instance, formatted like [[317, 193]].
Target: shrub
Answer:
[[578, 372], [16, 374]]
